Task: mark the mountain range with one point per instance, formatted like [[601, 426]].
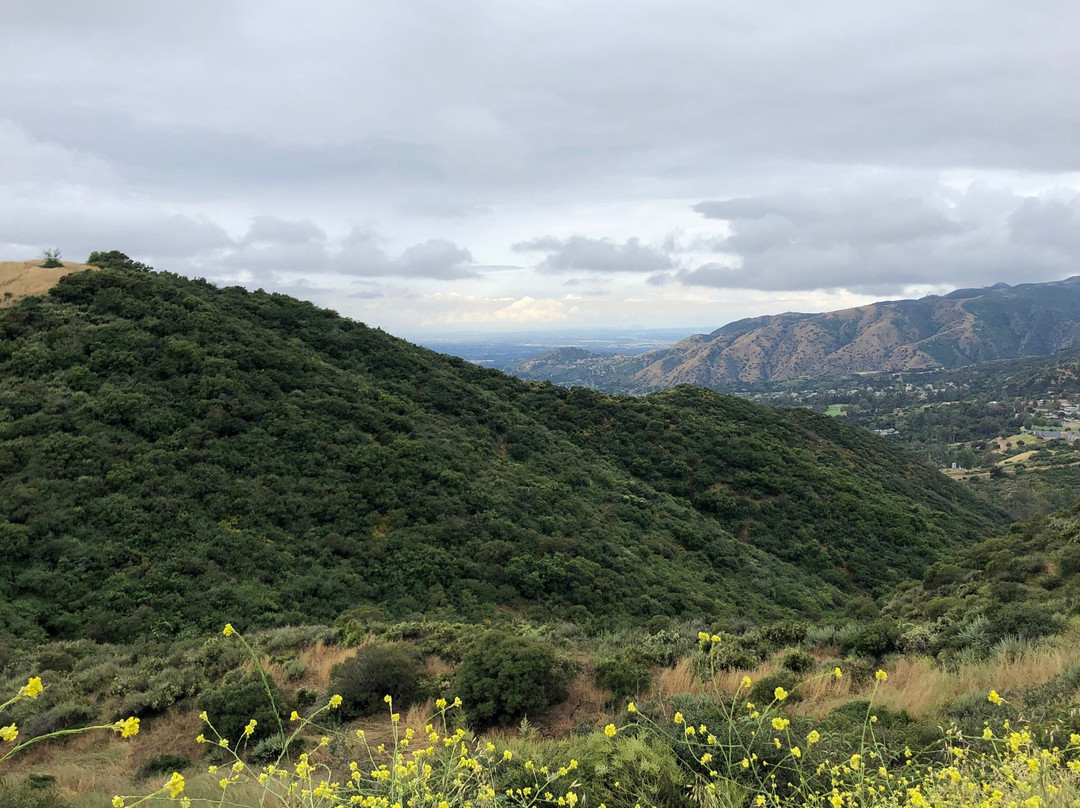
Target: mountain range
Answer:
[[940, 331]]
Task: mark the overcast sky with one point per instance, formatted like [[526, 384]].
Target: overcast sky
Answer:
[[427, 166]]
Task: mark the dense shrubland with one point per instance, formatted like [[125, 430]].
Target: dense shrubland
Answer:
[[173, 455]]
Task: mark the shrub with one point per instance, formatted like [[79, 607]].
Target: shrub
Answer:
[[874, 639], [237, 700], [798, 662], [1024, 619], [763, 690], [162, 764], [504, 678], [28, 795], [394, 669], [624, 675], [68, 714], [50, 258]]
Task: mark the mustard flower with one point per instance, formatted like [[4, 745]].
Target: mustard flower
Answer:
[[994, 698], [780, 724], [250, 728], [9, 733], [780, 694], [678, 718], [335, 701], [813, 737], [228, 631], [839, 674], [127, 727], [118, 802], [610, 730], [881, 676], [32, 688], [175, 785]]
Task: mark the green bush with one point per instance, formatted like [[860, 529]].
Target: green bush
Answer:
[[763, 690], [237, 700], [505, 678], [798, 662], [28, 795], [1025, 619], [874, 639], [394, 669], [162, 765], [624, 675]]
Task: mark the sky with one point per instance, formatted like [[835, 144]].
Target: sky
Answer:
[[428, 166]]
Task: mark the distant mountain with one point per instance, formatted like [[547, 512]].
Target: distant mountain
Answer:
[[173, 455], [962, 328]]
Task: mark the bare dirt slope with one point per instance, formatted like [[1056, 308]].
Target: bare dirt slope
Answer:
[[21, 278]]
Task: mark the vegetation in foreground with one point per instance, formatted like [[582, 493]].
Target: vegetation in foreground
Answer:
[[737, 740]]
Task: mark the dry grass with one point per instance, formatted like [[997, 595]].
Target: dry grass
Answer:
[[21, 278], [915, 684], [585, 703], [318, 661]]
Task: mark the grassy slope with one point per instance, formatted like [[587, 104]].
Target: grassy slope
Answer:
[[173, 455]]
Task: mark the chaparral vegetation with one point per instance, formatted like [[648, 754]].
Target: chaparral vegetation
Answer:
[[442, 586]]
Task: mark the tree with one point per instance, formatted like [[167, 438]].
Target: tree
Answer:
[[50, 259]]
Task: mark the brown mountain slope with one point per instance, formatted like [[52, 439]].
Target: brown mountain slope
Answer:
[[961, 328]]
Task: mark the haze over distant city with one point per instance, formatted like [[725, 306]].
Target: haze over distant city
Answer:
[[482, 165]]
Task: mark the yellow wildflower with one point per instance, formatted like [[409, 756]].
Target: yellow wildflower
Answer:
[[250, 728], [228, 631], [813, 737], [780, 724], [9, 733], [746, 682], [780, 694], [881, 676], [295, 716], [127, 727], [32, 688], [631, 707], [118, 802], [839, 674], [610, 730], [335, 701], [175, 785], [994, 698], [678, 718], [796, 751]]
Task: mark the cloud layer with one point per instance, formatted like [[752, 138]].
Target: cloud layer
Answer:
[[375, 155]]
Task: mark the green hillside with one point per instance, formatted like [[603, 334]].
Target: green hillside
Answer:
[[173, 455], [1023, 584]]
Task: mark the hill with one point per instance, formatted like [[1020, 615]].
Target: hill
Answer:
[[962, 328], [173, 455], [21, 278], [1020, 585]]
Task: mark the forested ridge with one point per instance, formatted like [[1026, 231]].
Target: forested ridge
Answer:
[[173, 454]]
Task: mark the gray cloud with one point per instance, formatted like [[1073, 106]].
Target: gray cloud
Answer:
[[578, 253], [361, 255], [878, 239], [272, 230]]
